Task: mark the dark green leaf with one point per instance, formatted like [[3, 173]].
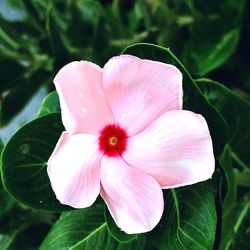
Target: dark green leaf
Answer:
[[56, 28], [101, 238], [50, 104], [6, 202], [36, 13], [11, 70], [189, 219], [84, 229], [193, 98], [242, 177], [116, 232], [7, 240], [36, 9], [74, 226], [235, 111], [230, 197], [240, 227], [26, 237], [17, 97], [19, 216], [229, 200], [1, 148], [213, 34], [200, 56], [25, 175], [89, 11]]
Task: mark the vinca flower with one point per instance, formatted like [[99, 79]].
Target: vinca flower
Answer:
[[126, 138]]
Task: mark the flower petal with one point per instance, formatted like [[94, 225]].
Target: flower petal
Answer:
[[138, 90], [84, 106], [176, 149], [134, 199], [73, 169]]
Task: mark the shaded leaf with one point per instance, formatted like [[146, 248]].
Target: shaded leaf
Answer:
[[17, 97], [56, 27], [11, 70], [200, 56], [242, 177], [229, 199], [214, 34], [235, 110], [6, 202], [50, 104], [89, 10], [6, 241], [26, 237], [25, 175], [84, 229], [102, 238], [74, 226], [1, 148], [189, 219], [241, 226]]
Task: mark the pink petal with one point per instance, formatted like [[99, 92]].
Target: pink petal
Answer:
[[138, 90], [176, 149], [134, 199], [84, 106], [73, 169]]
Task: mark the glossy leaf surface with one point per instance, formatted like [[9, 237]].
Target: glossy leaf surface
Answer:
[[25, 175]]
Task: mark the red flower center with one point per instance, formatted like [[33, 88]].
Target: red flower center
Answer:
[[113, 140]]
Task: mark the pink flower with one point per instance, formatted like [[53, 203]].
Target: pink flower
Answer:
[[126, 138]]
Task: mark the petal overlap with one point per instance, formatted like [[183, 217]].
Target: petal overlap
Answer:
[[176, 149], [138, 91], [73, 169], [83, 104], [134, 199]]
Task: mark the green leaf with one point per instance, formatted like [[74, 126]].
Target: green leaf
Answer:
[[11, 70], [74, 226], [116, 232], [229, 199], [7, 240], [6, 202], [84, 229], [235, 110], [242, 177], [189, 219], [56, 27], [200, 57], [1, 147], [193, 98], [28, 237], [241, 230], [213, 34], [50, 104], [18, 97], [101, 238], [25, 175], [89, 10]]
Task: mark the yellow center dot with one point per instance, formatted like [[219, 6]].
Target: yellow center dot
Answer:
[[112, 141]]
